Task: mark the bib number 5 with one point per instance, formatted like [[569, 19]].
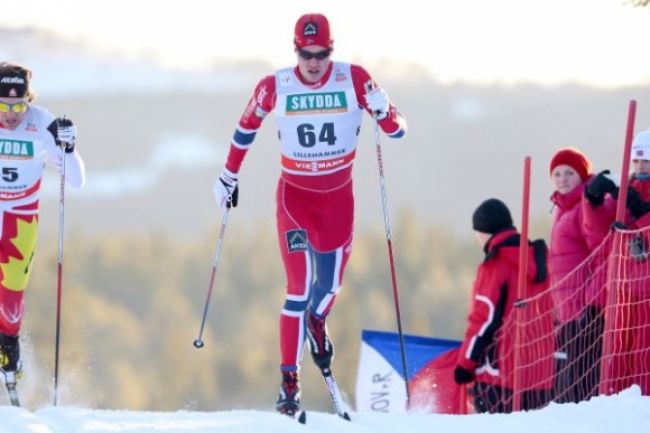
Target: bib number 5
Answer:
[[9, 174], [307, 134]]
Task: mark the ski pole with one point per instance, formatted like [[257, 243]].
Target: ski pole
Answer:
[[521, 286], [198, 343], [59, 273], [614, 286], [393, 273]]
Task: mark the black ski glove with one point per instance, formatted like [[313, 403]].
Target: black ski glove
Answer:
[[463, 376], [64, 133], [598, 187], [637, 206]]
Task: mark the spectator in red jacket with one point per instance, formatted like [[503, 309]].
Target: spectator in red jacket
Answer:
[[629, 304], [486, 355], [579, 337]]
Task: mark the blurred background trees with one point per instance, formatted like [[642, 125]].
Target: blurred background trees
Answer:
[[132, 306]]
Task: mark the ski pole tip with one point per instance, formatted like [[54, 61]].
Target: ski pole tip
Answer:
[[198, 343]]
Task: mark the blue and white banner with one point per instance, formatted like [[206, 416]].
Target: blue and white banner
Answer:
[[380, 378]]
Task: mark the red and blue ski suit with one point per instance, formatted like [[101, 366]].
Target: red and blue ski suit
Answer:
[[318, 127]]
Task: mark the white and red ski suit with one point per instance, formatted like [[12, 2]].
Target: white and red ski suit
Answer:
[[318, 127], [24, 153]]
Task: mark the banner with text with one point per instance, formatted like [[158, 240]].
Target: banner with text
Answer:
[[431, 362]]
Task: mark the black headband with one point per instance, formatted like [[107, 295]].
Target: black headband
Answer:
[[13, 86]]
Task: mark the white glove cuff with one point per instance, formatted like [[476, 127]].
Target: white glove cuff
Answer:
[[229, 174]]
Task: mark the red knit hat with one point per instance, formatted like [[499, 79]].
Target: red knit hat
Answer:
[[573, 158], [312, 29]]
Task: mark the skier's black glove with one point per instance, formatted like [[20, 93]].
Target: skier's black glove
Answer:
[[64, 133], [463, 376], [598, 187], [637, 206]]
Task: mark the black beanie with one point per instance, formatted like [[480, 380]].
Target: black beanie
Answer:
[[492, 216]]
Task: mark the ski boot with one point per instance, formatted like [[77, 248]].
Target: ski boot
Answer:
[[322, 350], [10, 365], [289, 398], [10, 354]]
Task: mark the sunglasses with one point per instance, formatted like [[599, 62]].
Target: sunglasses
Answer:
[[320, 55], [18, 107]]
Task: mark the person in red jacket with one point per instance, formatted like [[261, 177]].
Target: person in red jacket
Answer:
[[486, 355], [629, 323], [578, 308]]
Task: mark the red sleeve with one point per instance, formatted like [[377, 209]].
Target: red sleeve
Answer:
[[485, 316], [394, 124], [260, 104], [597, 221]]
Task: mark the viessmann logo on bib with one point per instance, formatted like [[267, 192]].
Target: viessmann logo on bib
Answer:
[[316, 103], [16, 149]]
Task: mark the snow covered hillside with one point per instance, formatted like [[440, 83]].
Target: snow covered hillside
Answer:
[[628, 412]]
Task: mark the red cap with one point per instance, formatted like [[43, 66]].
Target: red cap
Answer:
[[312, 29], [574, 159]]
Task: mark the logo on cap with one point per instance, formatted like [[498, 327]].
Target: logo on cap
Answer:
[[310, 29]]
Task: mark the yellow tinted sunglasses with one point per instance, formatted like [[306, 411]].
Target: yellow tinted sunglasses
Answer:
[[18, 107]]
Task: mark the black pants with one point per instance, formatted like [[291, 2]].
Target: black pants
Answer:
[[495, 399], [581, 342]]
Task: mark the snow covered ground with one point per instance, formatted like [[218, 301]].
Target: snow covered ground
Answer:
[[628, 412]]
